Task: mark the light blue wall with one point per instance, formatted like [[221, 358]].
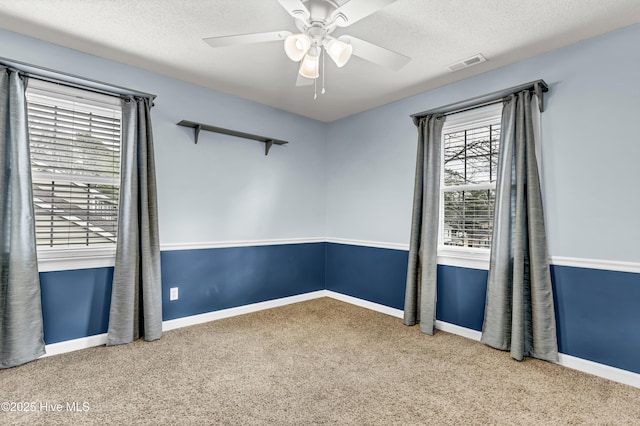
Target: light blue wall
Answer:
[[360, 169], [223, 188], [590, 147], [590, 157], [226, 189]]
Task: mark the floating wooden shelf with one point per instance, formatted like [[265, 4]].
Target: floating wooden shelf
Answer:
[[197, 127]]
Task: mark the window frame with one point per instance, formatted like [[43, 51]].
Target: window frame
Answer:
[[69, 258], [469, 257]]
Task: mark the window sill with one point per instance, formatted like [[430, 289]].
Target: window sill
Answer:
[[475, 259], [50, 260]]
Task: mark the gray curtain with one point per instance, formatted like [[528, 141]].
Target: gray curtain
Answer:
[[136, 295], [519, 310], [21, 333], [420, 297]]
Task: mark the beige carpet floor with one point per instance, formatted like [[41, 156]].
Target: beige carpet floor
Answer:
[[316, 362]]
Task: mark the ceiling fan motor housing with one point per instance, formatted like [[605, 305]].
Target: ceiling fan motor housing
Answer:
[[317, 32]]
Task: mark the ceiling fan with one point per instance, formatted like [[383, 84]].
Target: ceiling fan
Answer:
[[316, 20]]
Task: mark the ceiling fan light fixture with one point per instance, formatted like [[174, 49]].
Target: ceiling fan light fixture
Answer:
[[339, 51], [296, 46], [310, 66]]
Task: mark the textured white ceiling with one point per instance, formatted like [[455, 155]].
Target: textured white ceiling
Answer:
[[165, 36]]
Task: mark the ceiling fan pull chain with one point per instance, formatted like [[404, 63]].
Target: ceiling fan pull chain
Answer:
[[323, 55], [315, 89]]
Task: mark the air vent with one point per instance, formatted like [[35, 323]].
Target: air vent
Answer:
[[473, 60]]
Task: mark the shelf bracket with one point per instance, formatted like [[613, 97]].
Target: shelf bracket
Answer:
[[196, 132], [267, 146]]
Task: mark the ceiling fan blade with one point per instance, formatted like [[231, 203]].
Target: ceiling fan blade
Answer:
[[234, 40], [295, 9], [303, 81], [376, 54], [355, 10]]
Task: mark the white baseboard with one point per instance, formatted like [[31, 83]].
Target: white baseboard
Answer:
[[101, 339], [600, 370], [460, 331], [75, 345], [590, 367], [365, 304], [575, 363], [240, 310]]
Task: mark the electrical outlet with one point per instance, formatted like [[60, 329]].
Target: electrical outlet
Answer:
[[173, 293]]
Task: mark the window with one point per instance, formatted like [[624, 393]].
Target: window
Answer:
[[471, 143], [75, 162]]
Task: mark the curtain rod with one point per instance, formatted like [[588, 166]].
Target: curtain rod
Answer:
[[71, 80], [539, 86]]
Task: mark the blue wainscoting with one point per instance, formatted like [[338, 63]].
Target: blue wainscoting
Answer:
[[220, 278], [75, 303], [598, 315], [378, 275], [597, 311], [461, 295]]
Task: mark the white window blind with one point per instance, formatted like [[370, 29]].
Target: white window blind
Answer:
[[75, 160], [470, 163]]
